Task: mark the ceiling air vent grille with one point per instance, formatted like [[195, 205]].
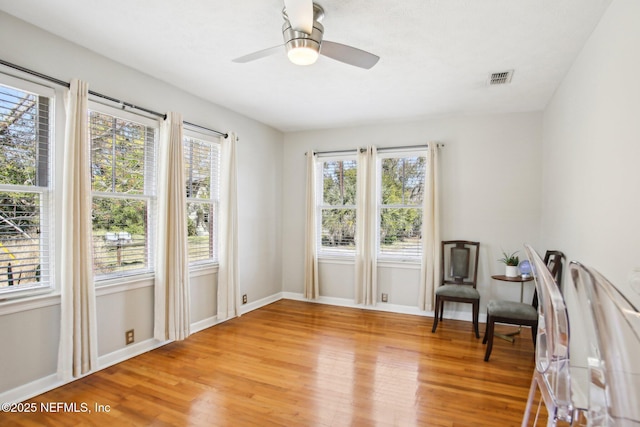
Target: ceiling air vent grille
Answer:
[[501, 78]]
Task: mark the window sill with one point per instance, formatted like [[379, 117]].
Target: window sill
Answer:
[[197, 270], [114, 285], [50, 297], [328, 259], [16, 304], [409, 264]]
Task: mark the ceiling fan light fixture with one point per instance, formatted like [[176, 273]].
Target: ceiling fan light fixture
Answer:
[[302, 48], [303, 39], [303, 53]]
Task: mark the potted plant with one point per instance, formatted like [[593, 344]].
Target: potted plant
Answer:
[[511, 263]]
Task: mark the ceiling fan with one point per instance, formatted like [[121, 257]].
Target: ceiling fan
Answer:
[[302, 32]]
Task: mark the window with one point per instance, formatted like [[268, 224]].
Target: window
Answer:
[[123, 157], [401, 186], [337, 206], [202, 176], [26, 111]]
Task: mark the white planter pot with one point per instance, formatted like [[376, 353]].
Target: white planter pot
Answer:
[[511, 271]]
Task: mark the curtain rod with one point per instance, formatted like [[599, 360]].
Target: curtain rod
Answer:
[[406, 147], [193, 125], [355, 150], [99, 95]]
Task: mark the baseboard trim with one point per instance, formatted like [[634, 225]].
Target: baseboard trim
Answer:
[[246, 308], [34, 388], [128, 352], [44, 384], [381, 306], [203, 324]]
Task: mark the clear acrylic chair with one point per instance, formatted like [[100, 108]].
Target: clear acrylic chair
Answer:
[[614, 350], [552, 374]]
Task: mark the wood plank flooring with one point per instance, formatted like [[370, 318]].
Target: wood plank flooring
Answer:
[[293, 363]]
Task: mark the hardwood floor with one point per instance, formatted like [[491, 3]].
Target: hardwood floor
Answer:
[[301, 364]]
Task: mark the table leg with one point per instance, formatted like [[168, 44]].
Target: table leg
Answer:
[[521, 292], [510, 336]]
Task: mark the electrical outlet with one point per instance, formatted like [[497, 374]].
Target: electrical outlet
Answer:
[[244, 298], [129, 338], [385, 297]]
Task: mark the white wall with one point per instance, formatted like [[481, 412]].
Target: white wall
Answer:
[[29, 335], [591, 150], [491, 193]]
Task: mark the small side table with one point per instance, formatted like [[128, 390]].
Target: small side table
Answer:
[[522, 281]]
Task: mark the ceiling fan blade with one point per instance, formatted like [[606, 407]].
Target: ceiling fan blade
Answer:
[[300, 13], [348, 54], [259, 54]]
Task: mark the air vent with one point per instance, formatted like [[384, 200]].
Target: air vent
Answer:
[[501, 78]]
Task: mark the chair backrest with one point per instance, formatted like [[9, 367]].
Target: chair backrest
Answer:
[[460, 257], [552, 342], [554, 262], [614, 350]]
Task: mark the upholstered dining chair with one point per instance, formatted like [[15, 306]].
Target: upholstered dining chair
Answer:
[[520, 313], [613, 332], [459, 278]]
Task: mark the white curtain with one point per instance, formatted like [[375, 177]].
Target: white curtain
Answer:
[[78, 349], [172, 316], [431, 253], [311, 284], [228, 286], [366, 221]]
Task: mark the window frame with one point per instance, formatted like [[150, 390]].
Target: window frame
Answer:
[[214, 194], [46, 205], [149, 194], [395, 154], [323, 251]]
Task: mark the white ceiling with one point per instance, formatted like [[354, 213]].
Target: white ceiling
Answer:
[[436, 55]]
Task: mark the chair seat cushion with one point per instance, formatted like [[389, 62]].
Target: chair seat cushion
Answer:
[[512, 310], [458, 291]]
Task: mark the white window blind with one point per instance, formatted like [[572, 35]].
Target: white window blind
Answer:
[[123, 160], [336, 206], [25, 134], [202, 176], [400, 205]]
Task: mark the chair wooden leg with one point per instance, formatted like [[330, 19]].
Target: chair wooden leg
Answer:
[[441, 309], [435, 315], [489, 338], [486, 331], [476, 310], [534, 334]]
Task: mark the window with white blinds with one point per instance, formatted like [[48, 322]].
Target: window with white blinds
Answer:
[[401, 184], [123, 161], [336, 207], [202, 177], [26, 113]]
